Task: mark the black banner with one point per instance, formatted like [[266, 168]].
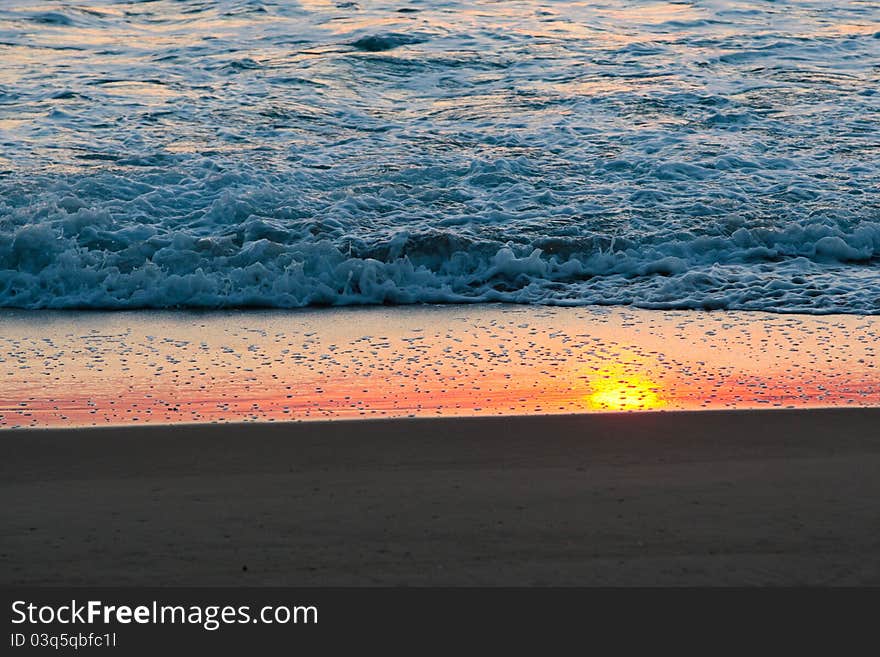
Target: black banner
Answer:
[[236, 620]]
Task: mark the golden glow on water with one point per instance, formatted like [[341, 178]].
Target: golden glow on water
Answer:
[[866, 29], [652, 13]]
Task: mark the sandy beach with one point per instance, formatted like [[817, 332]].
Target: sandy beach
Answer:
[[714, 497]]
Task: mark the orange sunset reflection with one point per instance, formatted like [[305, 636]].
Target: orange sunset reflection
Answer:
[[106, 368]]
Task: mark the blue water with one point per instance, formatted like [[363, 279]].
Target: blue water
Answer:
[[221, 153]]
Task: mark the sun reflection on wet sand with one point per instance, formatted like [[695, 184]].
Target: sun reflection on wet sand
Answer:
[[120, 368], [614, 391]]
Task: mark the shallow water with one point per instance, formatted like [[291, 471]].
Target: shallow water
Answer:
[[112, 368], [234, 152]]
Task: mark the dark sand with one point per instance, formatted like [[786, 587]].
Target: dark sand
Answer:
[[741, 497]]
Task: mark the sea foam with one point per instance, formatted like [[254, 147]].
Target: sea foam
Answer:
[[266, 154]]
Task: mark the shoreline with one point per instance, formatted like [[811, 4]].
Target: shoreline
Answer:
[[725, 497], [462, 303], [354, 421]]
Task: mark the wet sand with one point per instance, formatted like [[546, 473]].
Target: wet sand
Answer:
[[720, 497], [93, 369]]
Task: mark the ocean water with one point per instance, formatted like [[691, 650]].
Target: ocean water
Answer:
[[226, 153]]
